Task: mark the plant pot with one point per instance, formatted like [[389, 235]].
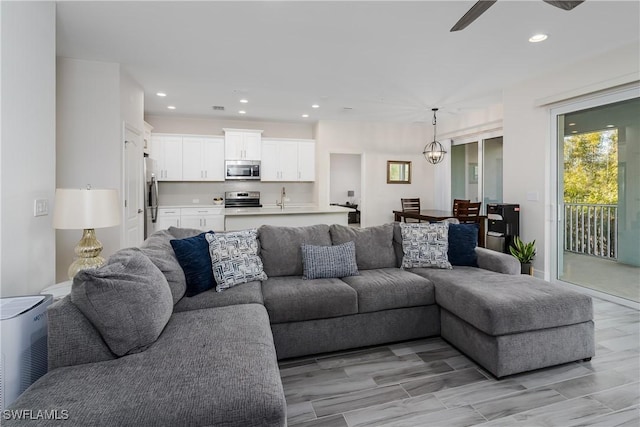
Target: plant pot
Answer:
[[526, 268]]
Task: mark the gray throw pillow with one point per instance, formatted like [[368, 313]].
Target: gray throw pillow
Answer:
[[425, 245], [323, 262], [234, 258], [128, 301], [374, 245]]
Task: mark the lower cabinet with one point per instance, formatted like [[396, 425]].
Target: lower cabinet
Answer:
[[167, 218], [205, 219]]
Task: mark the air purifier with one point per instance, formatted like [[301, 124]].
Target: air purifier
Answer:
[[23, 344]]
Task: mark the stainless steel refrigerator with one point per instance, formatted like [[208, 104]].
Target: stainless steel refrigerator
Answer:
[[150, 195]]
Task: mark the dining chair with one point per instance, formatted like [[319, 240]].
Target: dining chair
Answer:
[[455, 205], [411, 205], [469, 212]]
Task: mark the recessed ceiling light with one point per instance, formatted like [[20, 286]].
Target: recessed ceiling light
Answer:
[[538, 38], [305, 115], [315, 106], [244, 101], [572, 124], [242, 112], [171, 107], [574, 131], [611, 126], [161, 94]]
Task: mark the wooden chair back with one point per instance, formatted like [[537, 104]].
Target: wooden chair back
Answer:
[[411, 205], [456, 202], [469, 212]]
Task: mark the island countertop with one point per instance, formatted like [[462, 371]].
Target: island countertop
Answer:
[[288, 210]]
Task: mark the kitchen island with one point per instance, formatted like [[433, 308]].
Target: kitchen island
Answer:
[[291, 216]]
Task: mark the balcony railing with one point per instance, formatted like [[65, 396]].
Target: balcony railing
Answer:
[[591, 229]]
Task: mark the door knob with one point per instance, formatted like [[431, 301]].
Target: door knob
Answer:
[[140, 211]]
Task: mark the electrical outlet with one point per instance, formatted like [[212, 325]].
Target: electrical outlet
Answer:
[[195, 200], [40, 207], [286, 199]]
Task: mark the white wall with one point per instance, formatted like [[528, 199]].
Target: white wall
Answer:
[[526, 119], [213, 126], [27, 168], [94, 99], [377, 142], [345, 176]]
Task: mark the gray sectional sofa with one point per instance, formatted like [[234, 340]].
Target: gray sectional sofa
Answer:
[[215, 362]]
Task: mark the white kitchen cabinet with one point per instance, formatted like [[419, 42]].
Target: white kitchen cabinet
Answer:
[[306, 161], [202, 159], [167, 150], [167, 218], [204, 219], [288, 160], [242, 144]]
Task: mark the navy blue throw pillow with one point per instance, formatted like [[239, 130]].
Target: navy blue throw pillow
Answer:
[[463, 239], [193, 256]]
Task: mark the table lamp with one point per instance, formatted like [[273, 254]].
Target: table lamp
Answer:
[[86, 209]]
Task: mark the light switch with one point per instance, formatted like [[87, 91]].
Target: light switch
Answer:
[[40, 207]]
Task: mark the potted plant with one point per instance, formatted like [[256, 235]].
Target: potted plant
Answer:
[[524, 252]]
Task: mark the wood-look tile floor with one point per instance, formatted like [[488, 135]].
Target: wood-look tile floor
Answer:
[[430, 383]]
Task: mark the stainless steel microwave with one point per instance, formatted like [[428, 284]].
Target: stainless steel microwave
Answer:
[[242, 169]]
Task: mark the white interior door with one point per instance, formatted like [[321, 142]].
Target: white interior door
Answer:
[[133, 223]]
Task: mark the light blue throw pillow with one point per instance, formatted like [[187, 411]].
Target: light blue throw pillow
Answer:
[[321, 262]]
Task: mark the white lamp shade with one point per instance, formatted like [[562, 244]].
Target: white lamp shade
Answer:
[[78, 209]]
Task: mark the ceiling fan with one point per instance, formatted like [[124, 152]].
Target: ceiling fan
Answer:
[[481, 6]]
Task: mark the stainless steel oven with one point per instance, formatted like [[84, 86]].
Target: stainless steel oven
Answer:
[[242, 169]]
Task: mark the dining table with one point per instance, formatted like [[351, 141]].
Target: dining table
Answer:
[[434, 215]]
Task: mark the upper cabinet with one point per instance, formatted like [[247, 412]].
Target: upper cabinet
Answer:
[[288, 160], [188, 157], [202, 158], [242, 144], [167, 150]]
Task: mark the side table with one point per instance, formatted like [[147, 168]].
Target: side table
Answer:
[[59, 290]]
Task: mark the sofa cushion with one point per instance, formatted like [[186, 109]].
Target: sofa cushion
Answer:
[[128, 300], [159, 251], [321, 262], [280, 247], [499, 304], [374, 245], [193, 255], [244, 293], [209, 367], [463, 239], [234, 258], [388, 288], [292, 299], [425, 245]]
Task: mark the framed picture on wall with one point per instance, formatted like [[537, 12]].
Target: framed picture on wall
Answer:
[[398, 172]]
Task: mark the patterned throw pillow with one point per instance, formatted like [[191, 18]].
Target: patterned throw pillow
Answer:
[[234, 258], [320, 262], [425, 245]]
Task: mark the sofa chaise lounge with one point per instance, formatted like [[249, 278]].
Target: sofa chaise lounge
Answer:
[[215, 362]]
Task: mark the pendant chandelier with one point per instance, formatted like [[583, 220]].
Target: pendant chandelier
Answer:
[[434, 151]]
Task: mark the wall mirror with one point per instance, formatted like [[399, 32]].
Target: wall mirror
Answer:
[[398, 172]]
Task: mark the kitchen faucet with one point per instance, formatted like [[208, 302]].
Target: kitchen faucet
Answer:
[[283, 194]]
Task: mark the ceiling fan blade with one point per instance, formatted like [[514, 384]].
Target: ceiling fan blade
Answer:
[[476, 10], [566, 5]]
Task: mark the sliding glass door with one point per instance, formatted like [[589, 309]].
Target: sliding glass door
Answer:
[[598, 231], [476, 170]]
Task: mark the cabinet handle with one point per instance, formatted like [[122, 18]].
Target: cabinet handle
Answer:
[[205, 221], [206, 174], [299, 174]]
